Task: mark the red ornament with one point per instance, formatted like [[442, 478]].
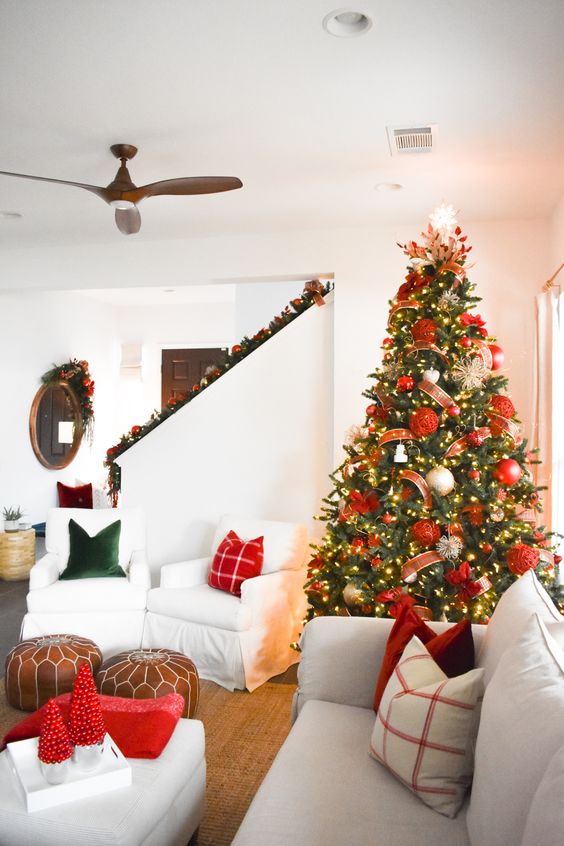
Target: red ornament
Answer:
[[387, 356], [466, 342], [521, 558], [507, 471], [498, 356], [405, 384], [357, 543], [475, 514], [475, 439], [135, 430], [387, 342], [503, 406], [195, 387], [423, 421], [315, 587], [86, 723], [374, 540], [54, 742], [454, 410], [237, 348], [474, 475], [375, 563], [371, 410], [424, 330], [483, 331], [426, 532], [486, 547], [388, 518], [377, 412]]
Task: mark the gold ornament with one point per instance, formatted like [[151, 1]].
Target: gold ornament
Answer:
[[440, 480], [352, 594]]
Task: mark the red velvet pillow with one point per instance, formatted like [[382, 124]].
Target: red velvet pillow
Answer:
[[79, 497], [453, 650], [234, 561]]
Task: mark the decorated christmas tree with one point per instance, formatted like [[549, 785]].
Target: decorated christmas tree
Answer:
[[54, 742], [86, 723], [434, 505]]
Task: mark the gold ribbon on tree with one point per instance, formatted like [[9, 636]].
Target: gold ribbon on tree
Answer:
[[420, 484], [402, 304], [316, 289], [426, 345]]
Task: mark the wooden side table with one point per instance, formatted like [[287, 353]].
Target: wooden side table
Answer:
[[17, 554]]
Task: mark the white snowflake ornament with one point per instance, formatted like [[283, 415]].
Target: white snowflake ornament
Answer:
[[449, 546], [470, 372]]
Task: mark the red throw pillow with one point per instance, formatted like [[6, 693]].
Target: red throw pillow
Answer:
[[141, 728], [79, 497], [235, 561], [453, 650]]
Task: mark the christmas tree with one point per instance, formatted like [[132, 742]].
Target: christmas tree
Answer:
[[434, 505], [54, 742], [86, 723]]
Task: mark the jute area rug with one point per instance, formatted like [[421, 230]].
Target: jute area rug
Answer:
[[244, 731]]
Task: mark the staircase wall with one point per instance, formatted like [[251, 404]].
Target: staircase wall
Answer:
[[257, 442]]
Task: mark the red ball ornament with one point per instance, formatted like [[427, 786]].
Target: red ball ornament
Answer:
[[475, 439], [474, 475], [466, 342], [236, 349], [371, 410], [424, 330], [387, 356], [388, 518], [423, 421], [453, 410], [405, 384], [498, 356], [374, 540], [486, 547], [507, 471], [357, 542], [503, 406], [387, 342], [521, 558], [426, 532], [375, 563]]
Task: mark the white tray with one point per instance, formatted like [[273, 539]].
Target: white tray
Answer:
[[114, 771]]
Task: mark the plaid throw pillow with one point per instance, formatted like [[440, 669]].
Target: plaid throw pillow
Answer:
[[425, 726], [235, 561]]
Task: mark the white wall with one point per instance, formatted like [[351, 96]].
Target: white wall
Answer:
[[256, 305], [256, 442], [37, 331]]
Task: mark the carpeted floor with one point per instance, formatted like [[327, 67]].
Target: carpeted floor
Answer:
[[243, 734]]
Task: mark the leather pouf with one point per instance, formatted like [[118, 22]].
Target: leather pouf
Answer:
[[150, 673], [43, 667]]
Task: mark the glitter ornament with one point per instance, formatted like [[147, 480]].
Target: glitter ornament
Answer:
[[405, 384], [502, 405], [431, 375], [440, 480], [486, 548], [497, 514], [466, 342], [470, 372], [353, 594], [391, 370], [454, 410], [475, 439], [449, 301], [449, 546], [521, 558], [424, 330], [423, 421]]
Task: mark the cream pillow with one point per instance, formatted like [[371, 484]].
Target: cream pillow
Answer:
[[521, 725], [425, 727], [545, 822]]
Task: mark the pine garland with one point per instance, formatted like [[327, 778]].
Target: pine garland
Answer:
[[76, 374]]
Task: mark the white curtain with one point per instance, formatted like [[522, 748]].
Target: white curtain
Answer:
[[548, 405]]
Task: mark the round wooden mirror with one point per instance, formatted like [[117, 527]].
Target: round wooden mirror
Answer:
[[55, 425]]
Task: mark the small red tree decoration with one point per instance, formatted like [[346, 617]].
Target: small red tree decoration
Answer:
[[86, 723], [54, 741]]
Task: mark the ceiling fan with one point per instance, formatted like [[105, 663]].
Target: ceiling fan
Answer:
[[125, 196]]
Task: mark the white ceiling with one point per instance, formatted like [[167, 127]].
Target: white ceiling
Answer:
[[257, 89]]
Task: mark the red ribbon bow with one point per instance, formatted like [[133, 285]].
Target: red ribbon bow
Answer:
[[398, 597], [468, 588]]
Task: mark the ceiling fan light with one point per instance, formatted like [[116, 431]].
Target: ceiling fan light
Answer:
[[122, 204]]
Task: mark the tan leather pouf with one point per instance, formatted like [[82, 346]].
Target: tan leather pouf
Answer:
[[150, 673], [43, 667]]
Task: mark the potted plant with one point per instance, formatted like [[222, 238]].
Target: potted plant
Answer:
[[12, 517]]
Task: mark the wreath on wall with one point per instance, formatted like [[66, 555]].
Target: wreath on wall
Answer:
[[77, 376]]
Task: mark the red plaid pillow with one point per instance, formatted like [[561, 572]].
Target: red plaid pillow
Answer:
[[235, 561]]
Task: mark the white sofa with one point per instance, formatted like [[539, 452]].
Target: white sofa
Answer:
[[323, 787], [110, 611]]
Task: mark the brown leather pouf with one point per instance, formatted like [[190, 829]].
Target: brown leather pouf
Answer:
[[43, 667], [150, 673]]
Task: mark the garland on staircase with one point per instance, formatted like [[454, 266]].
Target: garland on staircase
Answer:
[[313, 294]]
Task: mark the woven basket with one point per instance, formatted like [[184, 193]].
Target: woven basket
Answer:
[[17, 554]]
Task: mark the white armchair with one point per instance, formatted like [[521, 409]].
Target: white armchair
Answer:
[[110, 611], [236, 642]]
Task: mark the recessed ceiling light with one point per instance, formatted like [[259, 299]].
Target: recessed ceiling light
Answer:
[[389, 186], [9, 215], [169, 290], [346, 23]]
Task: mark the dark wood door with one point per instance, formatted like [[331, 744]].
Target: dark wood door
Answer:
[[182, 369]]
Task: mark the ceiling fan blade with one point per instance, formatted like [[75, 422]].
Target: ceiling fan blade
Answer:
[[184, 185], [94, 189], [128, 221]]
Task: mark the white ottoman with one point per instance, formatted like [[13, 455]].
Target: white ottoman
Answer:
[[163, 806]]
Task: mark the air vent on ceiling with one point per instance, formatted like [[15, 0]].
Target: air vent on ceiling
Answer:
[[417, 139]]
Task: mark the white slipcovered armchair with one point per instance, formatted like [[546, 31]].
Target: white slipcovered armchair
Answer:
[[110, 611], [236, 642]]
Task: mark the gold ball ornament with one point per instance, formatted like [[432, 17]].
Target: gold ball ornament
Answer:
[[440, 480], [353, 594], [497, 514]]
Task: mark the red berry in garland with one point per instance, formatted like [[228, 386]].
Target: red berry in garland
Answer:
[[426, 532], [86, 723], [405, 384], [54, 742], [521, 558], [423, 421], [424, 330]]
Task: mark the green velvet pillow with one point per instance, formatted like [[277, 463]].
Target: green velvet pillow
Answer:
[[93, 558]]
